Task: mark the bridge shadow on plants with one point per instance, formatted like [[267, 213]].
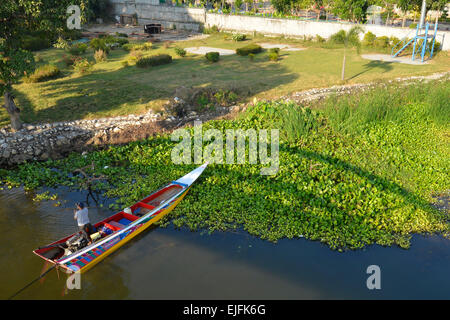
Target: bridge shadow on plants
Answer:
[[304, 202]]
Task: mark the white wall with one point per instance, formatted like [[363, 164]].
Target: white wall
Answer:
[[291, 27], [168, 16], [194, 18]]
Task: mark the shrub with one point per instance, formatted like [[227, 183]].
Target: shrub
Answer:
[[369, 38], [137, 46], [61, 43], [78, 49], [251, 48], [273, 56], [135, 55], [69, 60], [44, 73], [127, 46], [437, 46], [212, 56], [82, 65], [113, 42], [393, 41], [152, 61], [275, 50], [33, 43], [213, 29], [381, 42], [100, 56], [180, 51], [121, 41], [320, 39], [124, 35], [238, 37], [338, 37], [99, 44]]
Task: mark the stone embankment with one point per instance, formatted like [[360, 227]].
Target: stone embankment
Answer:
[[55, 140], [314, 95]]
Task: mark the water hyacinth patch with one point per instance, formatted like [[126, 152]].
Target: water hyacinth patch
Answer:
[[346, 186]]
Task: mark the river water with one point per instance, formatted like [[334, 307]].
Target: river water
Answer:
[[168, 263]]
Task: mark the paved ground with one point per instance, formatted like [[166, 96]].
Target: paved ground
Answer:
[[388, 58], [204, 50], [284, 47]]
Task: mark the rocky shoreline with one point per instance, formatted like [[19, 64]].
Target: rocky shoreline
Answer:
[[41, 142], [55, 140], [321, 93]]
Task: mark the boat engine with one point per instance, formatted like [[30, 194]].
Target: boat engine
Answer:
[[76, 242]]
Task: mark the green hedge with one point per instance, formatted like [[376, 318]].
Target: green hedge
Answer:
[[369, 39], [251, 48], [137, 46], [153, 60], [212, 56], [381, 42], [34, 43], [78, 49], [44, 73], [99, 44]]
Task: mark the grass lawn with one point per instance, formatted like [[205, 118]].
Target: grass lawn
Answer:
[[111, 89]]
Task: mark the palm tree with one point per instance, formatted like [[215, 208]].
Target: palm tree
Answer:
[[351, 39]]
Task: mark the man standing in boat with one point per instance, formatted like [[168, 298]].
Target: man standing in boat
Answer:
[[82, 217]]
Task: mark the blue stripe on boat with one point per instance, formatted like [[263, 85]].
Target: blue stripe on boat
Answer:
[[180, 184]]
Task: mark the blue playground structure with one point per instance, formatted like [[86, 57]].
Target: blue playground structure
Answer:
[[423, 42]]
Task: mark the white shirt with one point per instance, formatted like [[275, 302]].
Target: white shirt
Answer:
[[82, 217]]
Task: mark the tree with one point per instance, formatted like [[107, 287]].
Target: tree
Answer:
[[315, 5], [405, 6], [388, 5], [354, 10], [351, 39], [328, 5], [281, 6], [14, 62], [248, 3], [438, 5], [17, 19], [238, 5]]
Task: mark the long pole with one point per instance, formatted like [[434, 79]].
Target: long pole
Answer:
[[29, 284], [422, 14]]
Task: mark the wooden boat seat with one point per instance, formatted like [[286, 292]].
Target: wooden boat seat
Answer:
[[164, 196]]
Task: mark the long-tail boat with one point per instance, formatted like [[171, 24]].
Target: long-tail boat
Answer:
[[119, 228]]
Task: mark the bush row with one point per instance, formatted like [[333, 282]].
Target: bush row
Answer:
[[251, 48], [152, 61], [137, 46], [44, 73]]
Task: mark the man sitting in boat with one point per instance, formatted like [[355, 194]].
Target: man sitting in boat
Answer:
[[82, 217]]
